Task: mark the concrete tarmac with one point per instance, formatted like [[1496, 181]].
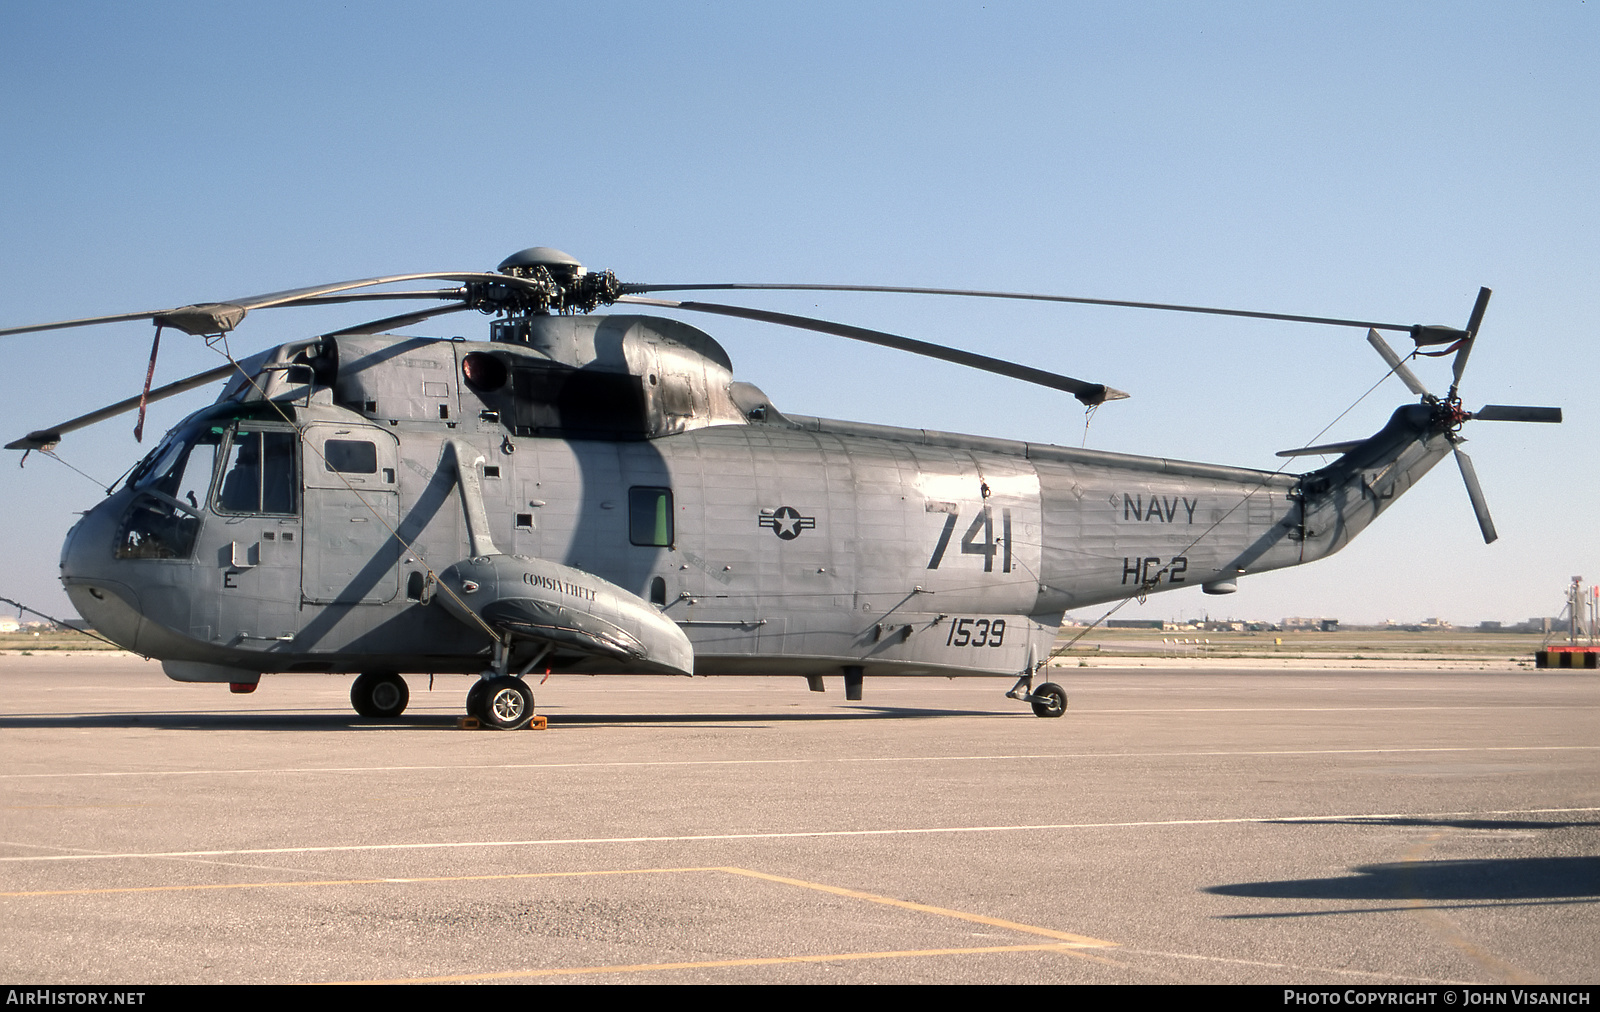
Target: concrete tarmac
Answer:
[[1202, 824]]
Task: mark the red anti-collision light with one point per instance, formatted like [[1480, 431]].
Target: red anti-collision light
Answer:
[[483, 371]]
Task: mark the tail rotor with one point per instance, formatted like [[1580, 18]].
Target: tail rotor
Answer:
[[1447, 412]]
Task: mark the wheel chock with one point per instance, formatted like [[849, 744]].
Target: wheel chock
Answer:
[[539, 723]]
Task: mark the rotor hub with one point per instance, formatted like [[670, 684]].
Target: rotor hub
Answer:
[[551, 281], [562, 267]]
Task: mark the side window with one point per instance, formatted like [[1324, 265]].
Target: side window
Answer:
[[350, 456], [260, 474], [650, 517]]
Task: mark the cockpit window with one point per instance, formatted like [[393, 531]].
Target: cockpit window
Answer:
[[182, 467], [163, 520], [259, 476], [154, 527]]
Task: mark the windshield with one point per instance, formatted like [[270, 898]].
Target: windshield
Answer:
[[172, 460], [182, 466]]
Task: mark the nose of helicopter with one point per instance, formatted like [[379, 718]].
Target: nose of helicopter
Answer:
[[88, 572]]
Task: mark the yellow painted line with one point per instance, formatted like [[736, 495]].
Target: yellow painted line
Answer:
[[43, 808], [310, 883], [1447, 928], [836, 957], [1065, 942], [993, 922]]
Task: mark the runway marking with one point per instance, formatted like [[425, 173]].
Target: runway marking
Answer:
[[1337, 709], [993, 922], [1063, 942], [837, 957], [794, 835], [1287, 966], [1447, 928], [326, 883], [801, 761], [1062, 937]]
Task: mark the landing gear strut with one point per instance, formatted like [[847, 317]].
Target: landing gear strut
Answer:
[[1048, 700], [381, 694]]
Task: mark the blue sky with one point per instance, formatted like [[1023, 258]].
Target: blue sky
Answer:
[[1370, 160]]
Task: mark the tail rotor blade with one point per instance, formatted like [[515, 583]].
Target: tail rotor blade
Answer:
[[1397, 365], [1480, 506], [1516, 413], [1473, 323], [1478, 309]]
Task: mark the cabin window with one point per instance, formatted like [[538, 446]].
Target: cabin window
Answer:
[[350, 456], [650, 517], [260, 476]]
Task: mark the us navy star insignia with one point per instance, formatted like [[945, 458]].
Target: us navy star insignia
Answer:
[[786, 522]]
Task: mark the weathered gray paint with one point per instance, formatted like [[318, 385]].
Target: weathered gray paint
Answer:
[[855, 585]]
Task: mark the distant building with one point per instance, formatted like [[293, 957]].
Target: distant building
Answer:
[[9, 625], [1319, 624]]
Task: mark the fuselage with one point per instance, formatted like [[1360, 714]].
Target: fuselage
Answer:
[[300, 523]]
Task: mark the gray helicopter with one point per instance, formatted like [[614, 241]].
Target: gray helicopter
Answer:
[[596, 493]]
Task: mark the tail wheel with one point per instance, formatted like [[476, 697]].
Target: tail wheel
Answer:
[[380, 694], [505, 703], [1049, 700]]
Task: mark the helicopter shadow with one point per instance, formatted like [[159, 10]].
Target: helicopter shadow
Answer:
[[213, 721], [322, 721], [1434, 884], [850, 713], [1440, 822]]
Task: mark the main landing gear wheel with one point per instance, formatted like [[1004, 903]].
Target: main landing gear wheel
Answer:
[[1050, 700], [381, 694], [504, 702]]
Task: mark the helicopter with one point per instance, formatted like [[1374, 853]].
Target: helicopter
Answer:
[[596, 493]]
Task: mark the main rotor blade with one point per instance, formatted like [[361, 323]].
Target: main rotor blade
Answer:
[[44, 438], [303, 296], [87, 321], [1397, 365], [426, 293], [1480, 506], [1089, 393], [220, 317], [1516, 413], [403, 320], [1435, 335]]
